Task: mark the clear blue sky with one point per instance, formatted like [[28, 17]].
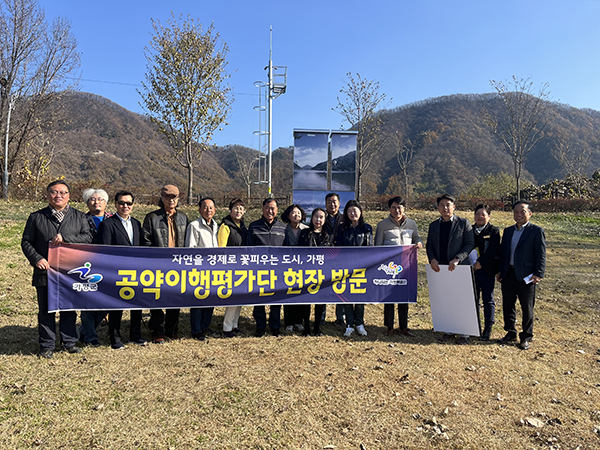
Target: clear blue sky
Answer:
[[415, 49]]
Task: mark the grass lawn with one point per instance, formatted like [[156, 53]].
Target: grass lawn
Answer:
[[377, 392]]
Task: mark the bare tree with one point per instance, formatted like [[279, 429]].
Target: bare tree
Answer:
[[573, 161], [185, 93], [405, 152], [38, 61], [521, 121], [361, 99], [246, 162]]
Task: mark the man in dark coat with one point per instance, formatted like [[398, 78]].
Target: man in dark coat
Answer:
[[57, 223], [522, 266], [165, 227], [449, 242], [122, 229], [267, 231]]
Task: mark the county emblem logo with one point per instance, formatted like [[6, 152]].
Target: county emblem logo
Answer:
[[90, 280]]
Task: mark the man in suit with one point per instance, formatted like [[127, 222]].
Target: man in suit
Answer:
[[449, 242], [56, 223], [522, 266], [122, 229]]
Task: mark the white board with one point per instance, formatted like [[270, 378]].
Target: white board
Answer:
[[452, 300]]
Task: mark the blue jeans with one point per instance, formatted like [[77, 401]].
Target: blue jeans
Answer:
[[200, 319], [339, 312], [355, 314], [90, 320]]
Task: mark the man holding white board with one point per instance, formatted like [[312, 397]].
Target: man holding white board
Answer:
[[449, 242]]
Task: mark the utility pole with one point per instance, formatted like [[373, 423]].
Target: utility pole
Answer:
[[277, 86]]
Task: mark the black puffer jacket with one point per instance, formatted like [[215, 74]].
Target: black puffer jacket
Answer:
[[237, 234], [308, 238], [155, 231], [41, 227], [354, 237]]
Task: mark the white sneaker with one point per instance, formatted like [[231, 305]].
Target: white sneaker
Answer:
[[299, 327], [349, 331], [361, 330], [289, 328]]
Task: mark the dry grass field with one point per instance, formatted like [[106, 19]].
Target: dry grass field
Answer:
[[374, 392]]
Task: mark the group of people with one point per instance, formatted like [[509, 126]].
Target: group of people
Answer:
[[518, 261]]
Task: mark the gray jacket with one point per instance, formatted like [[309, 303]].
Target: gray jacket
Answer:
[[460, 241]]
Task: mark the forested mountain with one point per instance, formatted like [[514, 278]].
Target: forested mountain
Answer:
[[459, 148], [103, 144]]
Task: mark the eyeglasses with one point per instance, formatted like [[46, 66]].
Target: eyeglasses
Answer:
[[55, 193], [94, 199], [122, 203]]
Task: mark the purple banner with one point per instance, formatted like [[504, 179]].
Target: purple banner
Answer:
[[96, 277]]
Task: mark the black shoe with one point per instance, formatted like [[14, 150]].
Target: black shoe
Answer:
[[47, 354], [139, 341], [509, 337], [117, 346], [275, 333], [94, 343], [340, 323], [462, 340], [74, 349], [524, 344], [485, 336], [446, 337], [260, 332], [199, 336]]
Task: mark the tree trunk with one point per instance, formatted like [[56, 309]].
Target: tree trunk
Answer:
[[190, 169]]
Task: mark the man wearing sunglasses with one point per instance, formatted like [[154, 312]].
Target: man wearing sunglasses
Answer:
[[122, 229]]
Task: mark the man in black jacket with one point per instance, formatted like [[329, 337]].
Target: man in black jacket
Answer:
[[165, 227], [332, 223], [267, 231], [56, 223], [487, 244], [522, 266], [449, 242], [122, 229]]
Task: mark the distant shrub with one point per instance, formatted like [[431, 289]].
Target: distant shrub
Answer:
[[566, 205]]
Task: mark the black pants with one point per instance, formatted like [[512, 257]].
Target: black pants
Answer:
[[293, 314], [47, 324], [319, 312], [512, 288], [260, 316], [170, 319], [388, 315], [114, 325]]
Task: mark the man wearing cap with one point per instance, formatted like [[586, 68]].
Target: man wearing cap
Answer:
[[165, 227], [56, 223]]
